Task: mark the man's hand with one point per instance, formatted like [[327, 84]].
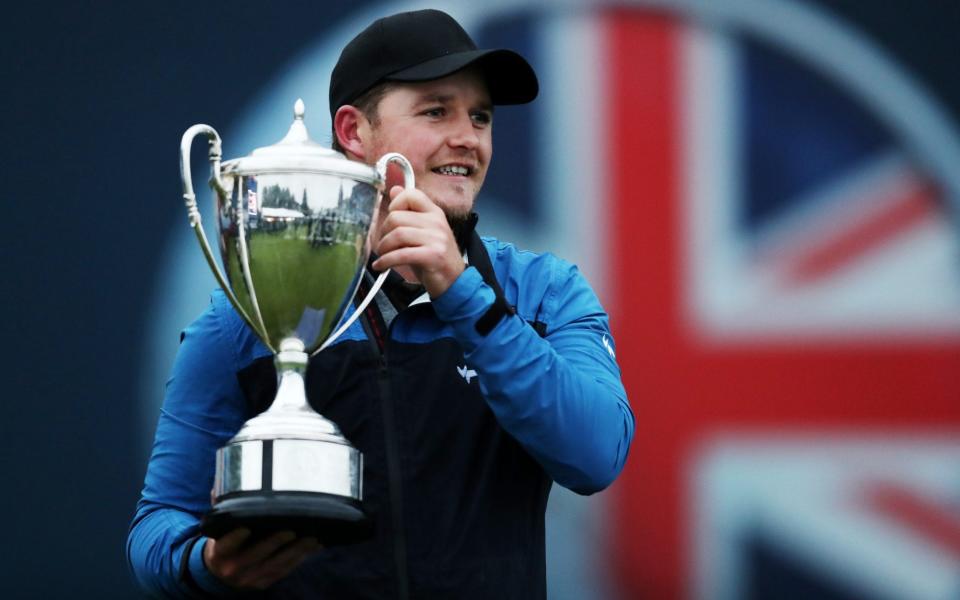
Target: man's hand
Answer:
[[416, 234], [256, 565]]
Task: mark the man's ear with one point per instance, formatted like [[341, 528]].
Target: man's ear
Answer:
[[347, 125]]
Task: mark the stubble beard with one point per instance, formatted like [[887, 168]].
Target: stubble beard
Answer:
[[458, 218], [459, 222]]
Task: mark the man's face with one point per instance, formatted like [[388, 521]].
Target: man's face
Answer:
[[444, 127]]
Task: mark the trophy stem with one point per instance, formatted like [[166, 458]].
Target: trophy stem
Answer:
[[290, 415], [291, 363]]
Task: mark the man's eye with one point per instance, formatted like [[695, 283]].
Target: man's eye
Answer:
[[482, 118], [434, 112]]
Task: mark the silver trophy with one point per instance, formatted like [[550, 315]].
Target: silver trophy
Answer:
[[294, 222]]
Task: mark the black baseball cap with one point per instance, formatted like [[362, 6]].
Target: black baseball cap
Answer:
[[420, 46]]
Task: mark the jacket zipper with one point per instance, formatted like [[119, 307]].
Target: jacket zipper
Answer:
[[378, 332], [394, 480]]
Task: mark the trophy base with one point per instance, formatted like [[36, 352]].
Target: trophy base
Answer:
[[332, 520]]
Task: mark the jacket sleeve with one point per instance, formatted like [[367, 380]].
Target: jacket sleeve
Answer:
[[202, 408], [560, 396]]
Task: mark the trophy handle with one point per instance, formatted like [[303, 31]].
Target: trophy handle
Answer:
[[190, 200], [404, 164], [409, 183]]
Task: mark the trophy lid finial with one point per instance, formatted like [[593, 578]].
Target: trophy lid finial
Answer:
[[298, 131], [297, 152], [297, 140]]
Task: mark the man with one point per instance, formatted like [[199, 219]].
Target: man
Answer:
[[479, 376]]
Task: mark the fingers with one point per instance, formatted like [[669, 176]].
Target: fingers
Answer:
[[229, 544], [397, 258], [413, 200], [291, 556], [245, 565], [283, 562], [265, 548], [414, 219], [424, 252], [417, 227], [406, 218], [404, 236]]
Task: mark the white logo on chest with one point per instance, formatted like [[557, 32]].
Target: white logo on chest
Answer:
[[466, 373]]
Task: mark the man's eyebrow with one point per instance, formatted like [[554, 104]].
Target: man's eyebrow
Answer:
[[438, 98], [435, 98]]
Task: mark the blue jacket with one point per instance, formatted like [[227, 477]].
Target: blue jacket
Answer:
[[481, 425]]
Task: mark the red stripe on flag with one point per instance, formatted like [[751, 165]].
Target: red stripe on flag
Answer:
[[643, 150], [938, 524], [833, 253]]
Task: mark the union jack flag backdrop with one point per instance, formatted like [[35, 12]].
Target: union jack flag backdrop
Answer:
[[782, 281]]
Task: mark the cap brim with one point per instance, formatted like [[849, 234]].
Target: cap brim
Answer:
[[510, 78]]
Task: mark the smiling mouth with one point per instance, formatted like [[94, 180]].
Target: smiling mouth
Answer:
[[454, 170]]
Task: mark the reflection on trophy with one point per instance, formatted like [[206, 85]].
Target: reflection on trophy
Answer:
[[294, 233]]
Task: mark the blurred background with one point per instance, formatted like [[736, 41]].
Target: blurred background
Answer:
[[763, 192]]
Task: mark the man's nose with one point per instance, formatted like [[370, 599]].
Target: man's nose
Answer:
[[463, 134]]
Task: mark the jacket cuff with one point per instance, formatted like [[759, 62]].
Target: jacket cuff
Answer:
[[198, 577], [463, 304]]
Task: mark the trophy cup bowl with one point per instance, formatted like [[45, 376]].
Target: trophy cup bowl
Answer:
[[294, 224]]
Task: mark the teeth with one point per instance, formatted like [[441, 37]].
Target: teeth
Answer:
[[453, 170]]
